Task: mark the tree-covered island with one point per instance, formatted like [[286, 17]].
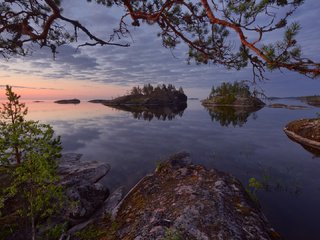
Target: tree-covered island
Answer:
[[148, 95], [236, 94]]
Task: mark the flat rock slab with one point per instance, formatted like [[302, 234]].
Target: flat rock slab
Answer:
[[73, 171], [305, 131], [184, 201]]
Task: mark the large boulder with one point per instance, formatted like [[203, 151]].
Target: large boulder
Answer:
[[81, 182], [185, 201]]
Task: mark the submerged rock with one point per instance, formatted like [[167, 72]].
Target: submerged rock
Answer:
[[185, 201]]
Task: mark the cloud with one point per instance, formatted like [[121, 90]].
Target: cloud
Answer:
[[27, 87]]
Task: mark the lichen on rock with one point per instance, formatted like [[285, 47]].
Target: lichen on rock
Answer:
[[189, 202]]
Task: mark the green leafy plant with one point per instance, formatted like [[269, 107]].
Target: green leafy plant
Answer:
[[253, 186]]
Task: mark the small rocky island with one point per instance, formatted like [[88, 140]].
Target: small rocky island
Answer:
[[235, 94], [68, 101], [161, 95], [232, 104]]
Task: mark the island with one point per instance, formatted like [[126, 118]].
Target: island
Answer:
[[68, 101], [161, 95], [232, 103], [235, 94]]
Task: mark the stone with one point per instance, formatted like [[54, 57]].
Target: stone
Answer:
[[73, 172], [202, 205], [81, 182]]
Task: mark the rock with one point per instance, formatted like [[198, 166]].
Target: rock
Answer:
[[68, 101], [291, 107], [311, 100], [113, 200], [80, 179], [86, 199], [185, 201], [306, 132], [74, 172]]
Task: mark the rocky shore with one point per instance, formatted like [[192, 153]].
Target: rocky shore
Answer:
[[181, 200]]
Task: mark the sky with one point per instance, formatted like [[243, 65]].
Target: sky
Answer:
[[108, 72]]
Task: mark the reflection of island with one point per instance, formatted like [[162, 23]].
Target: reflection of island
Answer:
[[232, 103], [153, 112], [231, 115]]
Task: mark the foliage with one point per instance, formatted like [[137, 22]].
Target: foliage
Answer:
[[207, 28], [32, 175], [56, 231], [12, 116], [20, 136], [227, 93], [148, 89], [253, 186]]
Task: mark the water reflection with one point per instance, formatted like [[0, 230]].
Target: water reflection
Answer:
[[259, 149], [149, 113], [232, 115]]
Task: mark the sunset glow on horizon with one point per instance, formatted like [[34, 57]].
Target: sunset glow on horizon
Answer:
[[36, 88]]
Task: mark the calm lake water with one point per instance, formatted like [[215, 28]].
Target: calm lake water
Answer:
[[254, 147]]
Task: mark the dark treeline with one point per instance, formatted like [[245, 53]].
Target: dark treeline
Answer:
[[148, 89]]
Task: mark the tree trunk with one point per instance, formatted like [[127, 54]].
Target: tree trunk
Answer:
[[33, 228], [18, 155]]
